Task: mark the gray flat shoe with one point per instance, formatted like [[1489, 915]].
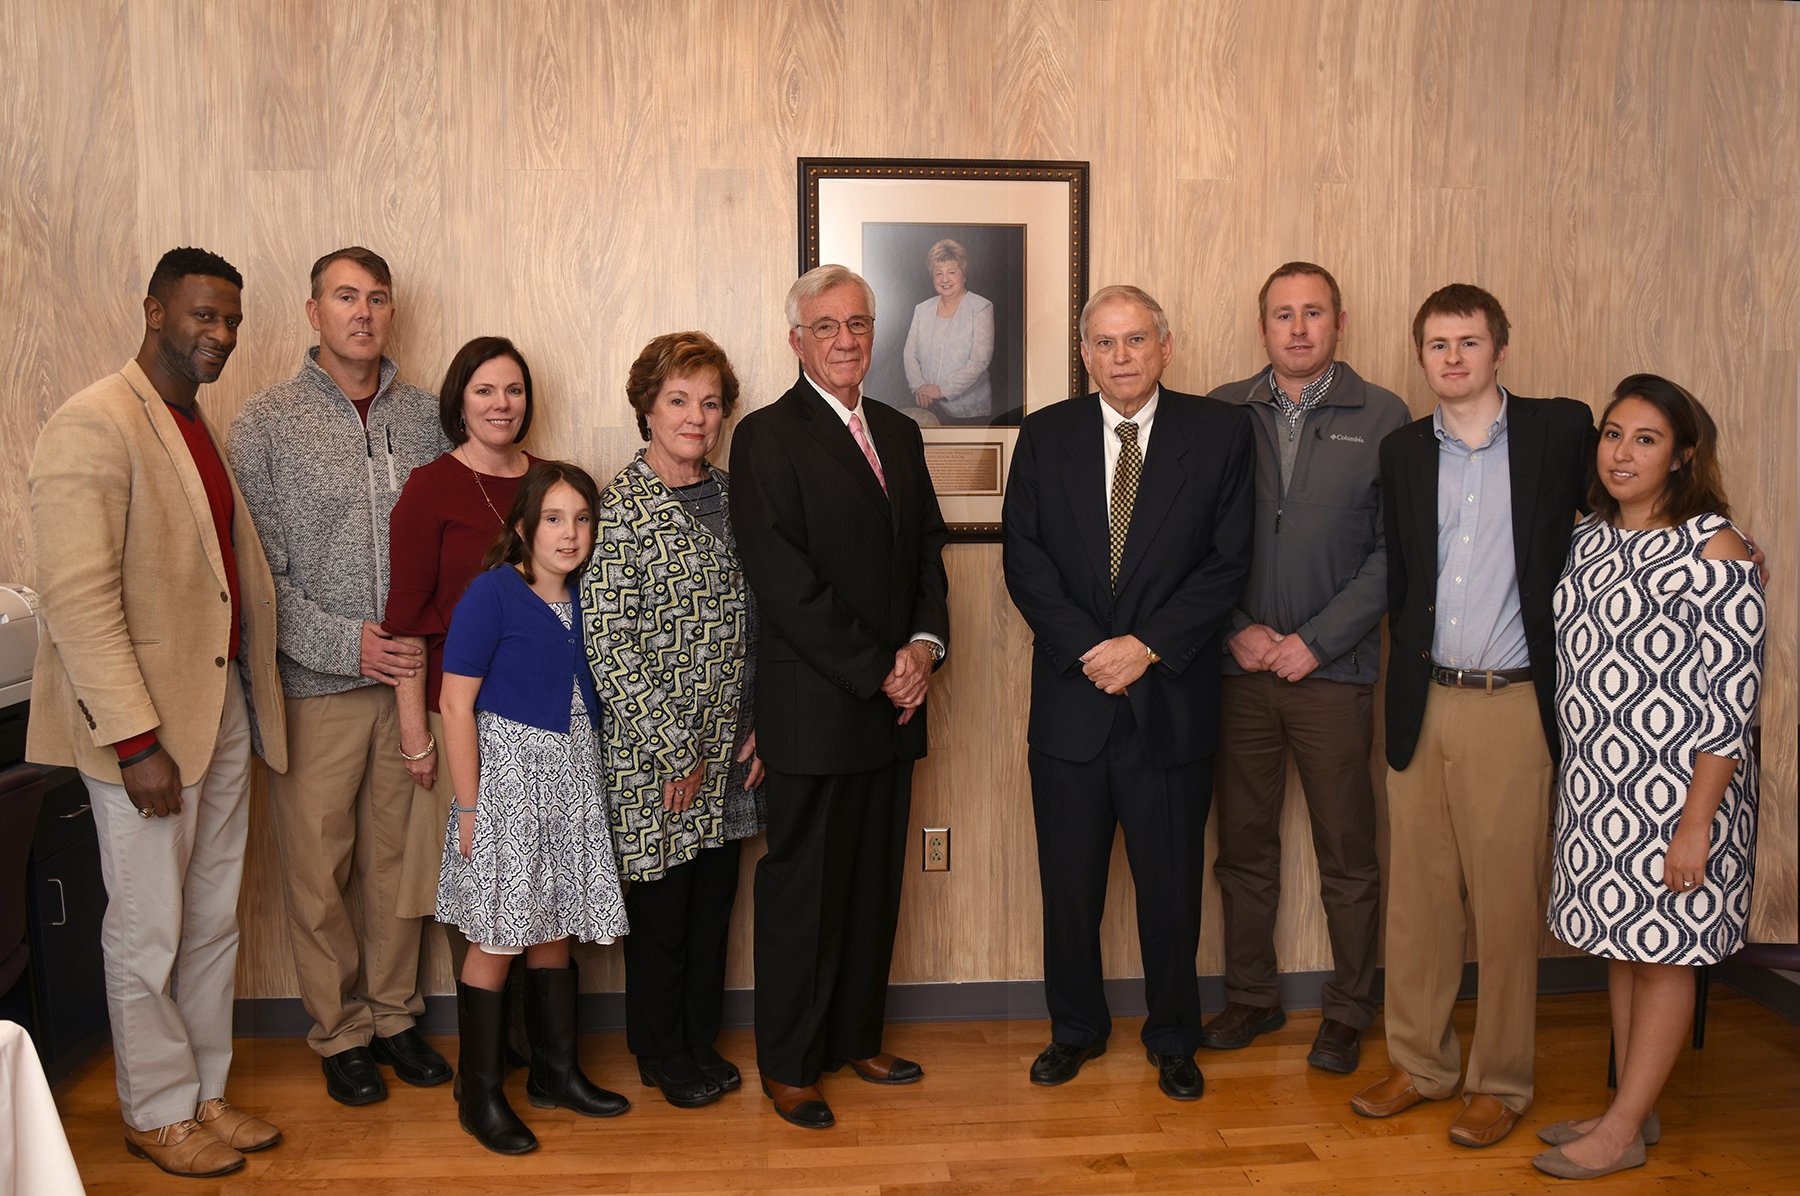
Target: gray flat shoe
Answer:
[[1562, 1133], [1555, 1162]]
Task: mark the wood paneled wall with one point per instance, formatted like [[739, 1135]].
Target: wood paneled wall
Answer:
[[584, 174]]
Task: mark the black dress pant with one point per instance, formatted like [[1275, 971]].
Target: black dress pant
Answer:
[[1077, 806], [827, 905], [675, 953]]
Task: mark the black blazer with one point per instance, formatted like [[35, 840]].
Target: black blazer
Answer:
[[1550, 449], [843, 574], [1186, 557]]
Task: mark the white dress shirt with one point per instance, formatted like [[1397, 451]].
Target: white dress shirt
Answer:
[[1109, 422]]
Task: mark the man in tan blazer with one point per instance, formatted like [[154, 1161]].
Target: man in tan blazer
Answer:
[[159, 621]]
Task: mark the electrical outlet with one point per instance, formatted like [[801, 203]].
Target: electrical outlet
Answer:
[[936, 856]]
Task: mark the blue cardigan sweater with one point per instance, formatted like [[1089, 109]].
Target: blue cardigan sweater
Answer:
[[505, 634]]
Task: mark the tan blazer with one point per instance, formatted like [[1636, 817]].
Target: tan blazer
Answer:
[[136, 614]]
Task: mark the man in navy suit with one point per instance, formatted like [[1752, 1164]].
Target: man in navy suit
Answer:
[[1127, 542], [840, 538]]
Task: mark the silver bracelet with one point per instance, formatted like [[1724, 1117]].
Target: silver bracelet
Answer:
[[430, 747], [461, 809]]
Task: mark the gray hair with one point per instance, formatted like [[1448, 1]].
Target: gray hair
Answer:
[[1130, 294], [817, 281]]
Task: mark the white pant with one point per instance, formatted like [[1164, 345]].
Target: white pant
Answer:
[[171, 935]]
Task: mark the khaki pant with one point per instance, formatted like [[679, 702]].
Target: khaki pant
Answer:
[[1469, 817], [340, 816], [170, 936]]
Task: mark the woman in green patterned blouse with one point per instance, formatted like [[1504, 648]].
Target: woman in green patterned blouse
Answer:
[[670, 628]]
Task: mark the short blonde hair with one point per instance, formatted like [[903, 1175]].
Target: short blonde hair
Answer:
[[948, 251]]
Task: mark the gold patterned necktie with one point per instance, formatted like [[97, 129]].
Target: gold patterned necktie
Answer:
[[1124, 491]]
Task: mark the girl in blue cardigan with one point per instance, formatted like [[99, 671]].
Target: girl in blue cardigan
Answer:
[[528, 855]]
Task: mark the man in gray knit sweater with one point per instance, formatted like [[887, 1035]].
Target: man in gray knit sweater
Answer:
[[321, 459]]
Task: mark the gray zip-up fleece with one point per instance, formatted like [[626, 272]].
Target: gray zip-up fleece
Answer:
[[320, 487], [1319, 565]]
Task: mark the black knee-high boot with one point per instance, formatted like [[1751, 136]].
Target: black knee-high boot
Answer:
[[481, 1105], [555, 1080]]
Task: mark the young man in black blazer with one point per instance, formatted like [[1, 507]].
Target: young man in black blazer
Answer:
[[1127, 540], [1482, 496], [840, 538]]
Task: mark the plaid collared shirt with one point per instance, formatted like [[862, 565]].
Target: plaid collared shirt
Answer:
[[1310, 396]]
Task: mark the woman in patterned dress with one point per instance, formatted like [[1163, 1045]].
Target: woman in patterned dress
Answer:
[[1659, 624], [528, 859], [669, 629]]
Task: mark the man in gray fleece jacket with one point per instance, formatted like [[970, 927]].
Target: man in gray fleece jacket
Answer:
[[321, 459], [1304, 653]]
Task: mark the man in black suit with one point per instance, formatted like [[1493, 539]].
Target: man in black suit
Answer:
[[1127, 541], [1482, 497], [840, 538]]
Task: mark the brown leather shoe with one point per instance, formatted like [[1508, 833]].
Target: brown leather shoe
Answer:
[[1483, 1122], [804, 1107], [886, 1069], [183, 1148], [235, 1128], [1239, 1025], [1337, 1048], [1396, 1094]]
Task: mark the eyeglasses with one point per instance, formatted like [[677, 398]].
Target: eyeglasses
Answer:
[[827, 328]]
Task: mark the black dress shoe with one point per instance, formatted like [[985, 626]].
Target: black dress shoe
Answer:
[[1337, 1048], [411, 1057], [1058, 1062], [718, 1069], [1178, 1076], [804, 1107], [680, 1079], [351, 1077]]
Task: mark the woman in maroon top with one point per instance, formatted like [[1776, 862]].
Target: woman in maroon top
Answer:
[[448, 515]]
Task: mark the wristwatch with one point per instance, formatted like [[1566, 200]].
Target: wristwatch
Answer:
[[1150, 656], [932, 646]]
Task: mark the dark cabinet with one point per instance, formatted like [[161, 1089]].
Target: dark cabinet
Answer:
[[66, 899]]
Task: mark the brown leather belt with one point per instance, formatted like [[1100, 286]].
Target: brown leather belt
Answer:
[[1488, 679]]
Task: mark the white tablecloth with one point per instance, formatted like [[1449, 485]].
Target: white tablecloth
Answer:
[[34, 1154]]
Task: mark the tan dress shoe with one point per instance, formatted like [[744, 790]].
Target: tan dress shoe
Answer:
[[183, 1148], [1396, 1094], [235, 1128], [1483, 1122]]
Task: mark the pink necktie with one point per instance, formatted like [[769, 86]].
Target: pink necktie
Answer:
[[868, 450]]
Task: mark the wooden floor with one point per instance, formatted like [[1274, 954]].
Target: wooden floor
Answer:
[[1268, 1124]]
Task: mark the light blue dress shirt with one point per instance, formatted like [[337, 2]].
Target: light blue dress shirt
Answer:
[[1478, 625]]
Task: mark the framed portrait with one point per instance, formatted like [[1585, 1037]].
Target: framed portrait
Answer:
[[979, 270]]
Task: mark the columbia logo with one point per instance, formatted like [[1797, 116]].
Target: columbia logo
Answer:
[[1348, 439]]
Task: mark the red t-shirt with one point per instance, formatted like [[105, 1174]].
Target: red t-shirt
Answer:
[[447, 517]]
